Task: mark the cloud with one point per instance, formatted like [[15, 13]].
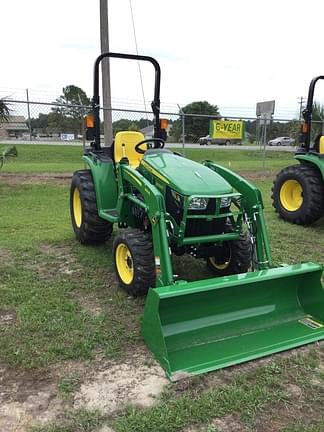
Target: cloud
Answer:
[[233, 53]]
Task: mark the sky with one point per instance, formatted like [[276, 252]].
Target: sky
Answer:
[[232, 54]]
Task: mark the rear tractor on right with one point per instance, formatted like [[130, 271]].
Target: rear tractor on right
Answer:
[[298, 190]]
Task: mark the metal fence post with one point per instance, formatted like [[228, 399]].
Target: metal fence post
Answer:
[[28, 113]]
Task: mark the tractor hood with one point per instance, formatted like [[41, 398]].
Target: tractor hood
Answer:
[[184, 175]]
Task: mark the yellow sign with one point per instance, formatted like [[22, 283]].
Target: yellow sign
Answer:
[[226, 129]]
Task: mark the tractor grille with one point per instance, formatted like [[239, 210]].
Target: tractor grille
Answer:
[[196, 227], [202, 227]]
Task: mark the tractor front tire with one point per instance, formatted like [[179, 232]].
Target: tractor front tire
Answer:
[[134, 262], [298, 194], [88, 227], [232, 257]]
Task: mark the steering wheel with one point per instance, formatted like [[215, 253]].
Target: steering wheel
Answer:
[[151, 143]]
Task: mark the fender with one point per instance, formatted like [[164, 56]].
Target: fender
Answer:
[[308, 158]]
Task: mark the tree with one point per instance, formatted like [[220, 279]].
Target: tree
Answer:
[[318, 120], [4, 110], [39, 123], [126, 124], [71, 98], [69, 116], [195, 127]]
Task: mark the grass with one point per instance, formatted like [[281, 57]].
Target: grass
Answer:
[[68, 385], [35, 215], [37, 158], [177, 413], [243, 160], [249, 396], [300, 427], [78, 421], [50, 285], [40, 285], [254, 397], [42, 276], [51, 323]]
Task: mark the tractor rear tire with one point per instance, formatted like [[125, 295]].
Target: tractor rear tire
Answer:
[[298, 194], [134, 262], [233, 257], [88, 227]]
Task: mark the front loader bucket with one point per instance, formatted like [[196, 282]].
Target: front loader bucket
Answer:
[[196, 327]]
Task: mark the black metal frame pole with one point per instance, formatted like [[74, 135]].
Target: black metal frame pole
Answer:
[[308, 111], [96, 99]]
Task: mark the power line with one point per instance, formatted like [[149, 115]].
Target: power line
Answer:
[[136, 47]]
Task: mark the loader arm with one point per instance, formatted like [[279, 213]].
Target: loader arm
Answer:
[[252, 207], [153, 204]]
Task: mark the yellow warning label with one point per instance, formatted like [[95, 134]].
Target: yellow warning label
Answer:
[[311, 323]]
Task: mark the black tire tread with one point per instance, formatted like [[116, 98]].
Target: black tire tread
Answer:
[[141, 248], [313, 190], [241, 257], [93, 230]]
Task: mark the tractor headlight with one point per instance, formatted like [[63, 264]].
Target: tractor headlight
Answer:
[[225, 202], [198, 204]]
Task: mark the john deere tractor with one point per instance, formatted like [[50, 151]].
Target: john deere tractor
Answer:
[[163, 205], [298, 190]]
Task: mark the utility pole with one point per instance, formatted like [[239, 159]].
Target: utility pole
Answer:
[[105, 69], [301, 103], [182, 114]]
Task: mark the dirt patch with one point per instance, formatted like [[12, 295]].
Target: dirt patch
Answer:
[[228, 423], [7, 317], [5, 257], [13, 179], [94, 302], [62, 256], [26, 397], [61, 262], [258, 175], [40, 408], [105, 429], [132, 383], [89, 302], [29, 398], [65, 178]]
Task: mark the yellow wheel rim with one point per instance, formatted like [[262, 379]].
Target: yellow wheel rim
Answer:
[[124, 263], [221, 265], [77, 208], [291, 195]]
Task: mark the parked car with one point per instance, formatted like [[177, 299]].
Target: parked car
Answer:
[[282, 141], [208, 140]]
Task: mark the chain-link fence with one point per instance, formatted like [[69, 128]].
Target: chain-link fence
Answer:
[[41, 122]]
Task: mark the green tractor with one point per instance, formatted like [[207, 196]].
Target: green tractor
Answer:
[[165, 205], [298, 190]]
